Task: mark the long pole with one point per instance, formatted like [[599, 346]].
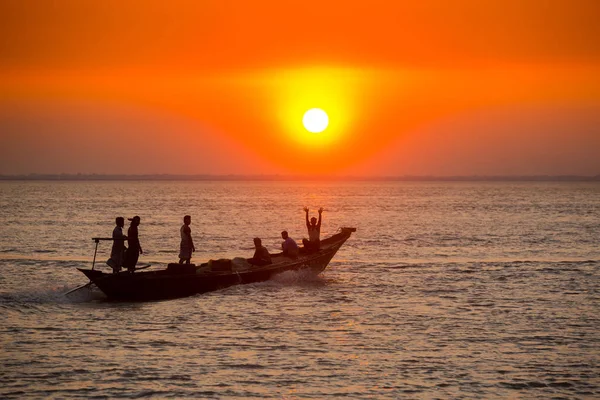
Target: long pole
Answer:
[[97, 240]]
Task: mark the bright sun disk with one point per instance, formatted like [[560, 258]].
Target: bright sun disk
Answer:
[[315, 120]]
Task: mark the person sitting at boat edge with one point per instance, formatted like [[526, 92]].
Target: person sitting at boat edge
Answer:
[[289, 246], [135, 248], [186, 248], [117, 253], [261, 254], [313, 243]]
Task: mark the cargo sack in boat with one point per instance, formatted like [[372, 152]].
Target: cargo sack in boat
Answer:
[[222, 265], [240, 264], [175, 268]]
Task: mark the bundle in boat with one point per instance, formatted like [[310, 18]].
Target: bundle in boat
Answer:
[[175, 268], [220, 265]]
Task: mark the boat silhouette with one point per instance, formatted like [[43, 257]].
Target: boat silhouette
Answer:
[[182, 280]]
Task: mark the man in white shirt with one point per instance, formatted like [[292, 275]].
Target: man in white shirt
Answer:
[[289, 246], [118, 248]]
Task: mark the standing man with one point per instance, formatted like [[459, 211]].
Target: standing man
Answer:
[[186, 248], [135, 248], [314, 232], [118, 248]]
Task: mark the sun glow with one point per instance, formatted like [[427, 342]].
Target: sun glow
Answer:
[[331, 89], [304, 112], [315, 120]]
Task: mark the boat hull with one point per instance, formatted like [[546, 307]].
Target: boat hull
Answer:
[[165, 284]]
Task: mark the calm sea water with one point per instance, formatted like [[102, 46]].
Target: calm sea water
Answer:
[[446, 290]]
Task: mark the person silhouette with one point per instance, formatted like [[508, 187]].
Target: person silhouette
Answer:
[[261, 254], [117, 253], [133, 241], [289, 246], [186, 248], [313, 243]]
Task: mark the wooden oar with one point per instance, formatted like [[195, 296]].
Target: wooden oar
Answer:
[[79, 287]]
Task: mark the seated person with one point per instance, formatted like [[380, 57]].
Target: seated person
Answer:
[[261, 254], [289, 246], [314, 232]]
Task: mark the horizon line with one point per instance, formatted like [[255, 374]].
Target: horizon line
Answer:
[[290, 177]]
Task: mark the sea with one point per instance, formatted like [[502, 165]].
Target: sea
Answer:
[[447, 290]]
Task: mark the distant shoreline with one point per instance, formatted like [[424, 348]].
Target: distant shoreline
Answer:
[[295, 178]]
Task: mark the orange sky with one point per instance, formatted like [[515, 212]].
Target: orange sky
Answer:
[[219, 87]]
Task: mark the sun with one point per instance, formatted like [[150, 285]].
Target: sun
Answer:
[[315, 120]]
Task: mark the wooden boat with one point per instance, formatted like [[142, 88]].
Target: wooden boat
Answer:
[[180, 280]]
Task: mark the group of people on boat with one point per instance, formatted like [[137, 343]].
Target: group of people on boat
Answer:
[[127, 257], [289, 247], [121, 256]]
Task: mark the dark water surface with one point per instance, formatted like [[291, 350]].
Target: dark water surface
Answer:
[[447, 290]]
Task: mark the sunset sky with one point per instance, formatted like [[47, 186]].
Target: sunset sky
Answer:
[[431, 87]]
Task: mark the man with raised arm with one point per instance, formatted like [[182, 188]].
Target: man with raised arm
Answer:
[[314, 232]]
